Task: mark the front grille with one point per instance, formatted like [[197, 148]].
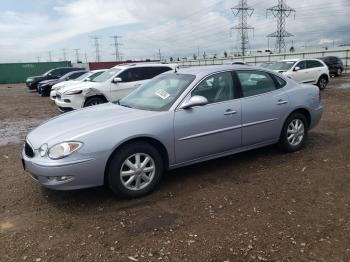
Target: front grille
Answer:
[[28, 150]]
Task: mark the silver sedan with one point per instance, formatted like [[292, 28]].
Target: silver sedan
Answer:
[[176, 119]]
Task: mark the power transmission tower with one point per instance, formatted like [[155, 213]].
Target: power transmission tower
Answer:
[[243, 11], [50, 56], [77, 54], [281, 11], [64, 53], [116, 45], [38, 58], [97, 47]]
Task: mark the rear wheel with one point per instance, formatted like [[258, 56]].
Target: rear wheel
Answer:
[[92, 101], [339, 71], [294, 133], [322, 82], [134, 170]]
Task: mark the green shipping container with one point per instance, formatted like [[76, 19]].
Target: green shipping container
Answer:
[[12, 73]]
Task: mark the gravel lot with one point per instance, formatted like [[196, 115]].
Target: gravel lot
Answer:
[[256, 206]]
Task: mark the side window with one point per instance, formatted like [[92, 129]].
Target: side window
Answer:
[[57, 73], [313, 64], [130, 75], [154, 71], [216, 88], [255, 83], [302, 65], [280, 82]]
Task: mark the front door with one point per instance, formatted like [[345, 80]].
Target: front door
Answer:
[[213, 128], [302, 75]]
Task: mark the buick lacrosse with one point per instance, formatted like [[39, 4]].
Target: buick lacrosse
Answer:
[[176, 119]]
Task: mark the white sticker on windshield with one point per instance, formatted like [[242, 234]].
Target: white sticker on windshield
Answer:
[[162, 94]]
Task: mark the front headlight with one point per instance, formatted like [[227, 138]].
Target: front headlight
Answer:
[[74, 92], [63, 149]]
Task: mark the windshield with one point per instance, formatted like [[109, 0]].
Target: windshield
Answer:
[[95, 75], [283, 65], [158, 94], [82, 77], [48, 72], [65, 76], [106, 75]]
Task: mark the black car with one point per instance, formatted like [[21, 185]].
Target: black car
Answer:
[[33, 81], [334, 63], [44, 87]]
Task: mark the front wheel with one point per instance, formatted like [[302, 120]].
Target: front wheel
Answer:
[[294, 133], [94, 101], [322, 82], [134, 170]]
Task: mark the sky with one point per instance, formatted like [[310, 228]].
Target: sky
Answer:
[[38, 29]]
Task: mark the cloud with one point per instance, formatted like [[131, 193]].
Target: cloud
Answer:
[[178, 28]]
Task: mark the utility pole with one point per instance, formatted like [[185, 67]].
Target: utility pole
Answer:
[[50, 56], [116, 45], [159, 55], [97, 47], [64, 53], [281, 11], [243, 11], [77, 54]]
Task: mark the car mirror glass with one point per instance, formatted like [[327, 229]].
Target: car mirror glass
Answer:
[[297, 68], [194, 101]]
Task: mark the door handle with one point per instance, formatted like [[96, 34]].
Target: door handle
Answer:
[[282, 102], [230, 112]]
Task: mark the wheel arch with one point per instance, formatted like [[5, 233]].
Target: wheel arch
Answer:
[[323, 75], [150, 140], [303, 111]]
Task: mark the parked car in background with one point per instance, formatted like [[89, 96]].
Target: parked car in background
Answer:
[[175, 119], [89, 76], [307, 71], [44, 87], [112, 85], [266, 64], [334, 63], [33, 81]]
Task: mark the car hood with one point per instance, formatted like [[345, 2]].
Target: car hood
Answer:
[[74, 125], [81, 85], [63, 84]]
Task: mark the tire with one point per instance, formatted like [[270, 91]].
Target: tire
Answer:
[[339, 71], [286, 142], [322, 82], [92, 101], [138, 186]]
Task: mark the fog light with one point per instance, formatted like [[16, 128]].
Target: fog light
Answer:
[[59, 178]]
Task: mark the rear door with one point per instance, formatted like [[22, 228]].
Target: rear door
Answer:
[[315, 69], [213, 128], [264, 106]]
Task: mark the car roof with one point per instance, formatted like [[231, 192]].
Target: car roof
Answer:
[[124, 66], [206, 70]]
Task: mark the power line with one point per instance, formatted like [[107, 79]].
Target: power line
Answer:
[[244, 12], [77, 54], [97, 47], [116, 45], [281, 11]]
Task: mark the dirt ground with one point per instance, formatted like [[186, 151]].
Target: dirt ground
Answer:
[[261, 205]]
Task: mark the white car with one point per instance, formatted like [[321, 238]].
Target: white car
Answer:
[[83, 78], [112, 85], [310, 71]]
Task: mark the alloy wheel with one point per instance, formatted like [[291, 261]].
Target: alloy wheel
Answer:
[[137, 171], [295, 132]]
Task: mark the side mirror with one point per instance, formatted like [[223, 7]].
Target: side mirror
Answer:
[[297, 68], [116, 80], [194, 101], [88, 79]]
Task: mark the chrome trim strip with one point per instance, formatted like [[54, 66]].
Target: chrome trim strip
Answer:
[[210, 132], [259, 122]]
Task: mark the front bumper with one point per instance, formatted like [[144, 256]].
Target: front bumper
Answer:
[[31, 85], [53, 95], [44, 90], [83, 173], [71, 101]]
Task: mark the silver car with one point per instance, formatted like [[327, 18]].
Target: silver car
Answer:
[[176, 119]]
